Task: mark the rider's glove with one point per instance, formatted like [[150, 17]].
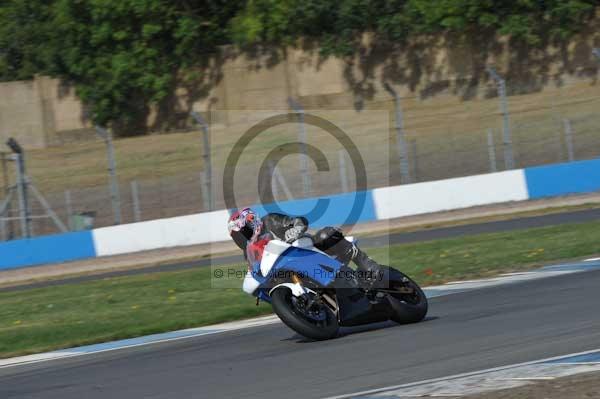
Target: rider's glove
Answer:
[[293, 233]]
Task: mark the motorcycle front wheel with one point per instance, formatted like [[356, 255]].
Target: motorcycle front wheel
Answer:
[[316, 321]]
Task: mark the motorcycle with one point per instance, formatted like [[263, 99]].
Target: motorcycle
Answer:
[[315, 294]]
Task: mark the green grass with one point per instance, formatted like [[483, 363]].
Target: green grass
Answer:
[[56, 317], [490, 254]]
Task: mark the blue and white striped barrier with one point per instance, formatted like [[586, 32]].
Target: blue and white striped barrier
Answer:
[[378, 204]]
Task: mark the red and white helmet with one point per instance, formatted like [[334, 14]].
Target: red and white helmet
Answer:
[[243, 226]]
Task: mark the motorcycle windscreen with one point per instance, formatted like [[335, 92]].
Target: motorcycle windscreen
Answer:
[[307, 264]]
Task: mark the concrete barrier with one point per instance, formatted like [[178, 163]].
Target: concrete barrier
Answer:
[[47, 249], [562, 179], [442, 195], [161, 233]]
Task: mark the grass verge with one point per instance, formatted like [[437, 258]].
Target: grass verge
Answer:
[[70, 315]]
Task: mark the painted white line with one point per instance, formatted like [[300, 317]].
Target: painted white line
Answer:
[[592, 260], [527, 378], [480, 281], [517, 274], [484, 378], [33, 358]]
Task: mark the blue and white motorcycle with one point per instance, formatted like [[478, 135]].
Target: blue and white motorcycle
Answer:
[[314, 294]]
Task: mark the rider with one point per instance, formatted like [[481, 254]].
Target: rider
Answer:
[[252, 234]]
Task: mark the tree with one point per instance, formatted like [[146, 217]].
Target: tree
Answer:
[[23, 30], [337, 25], [121, 55], [124, 55]]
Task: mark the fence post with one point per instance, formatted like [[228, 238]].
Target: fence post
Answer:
[[569, 139], [69, 209], [4, 206], [23, 197], [274, 188], [491, 150], [135, 199], [206, 156], [19, 158], [306, 182], [415, 158], [509, 160], [343, 170], [400, 141], [10, 234], [112, 171], [3, 228]]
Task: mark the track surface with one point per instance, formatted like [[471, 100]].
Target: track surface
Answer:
[[464, 332], [395, 238]]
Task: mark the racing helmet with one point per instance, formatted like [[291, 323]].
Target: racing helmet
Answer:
[[243, 226]]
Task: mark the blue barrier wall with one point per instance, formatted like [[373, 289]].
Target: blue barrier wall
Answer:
[[563, 179], [46, 249], [331, 210]]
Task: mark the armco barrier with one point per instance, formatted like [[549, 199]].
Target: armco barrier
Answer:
[[46, 249], [379, 204]]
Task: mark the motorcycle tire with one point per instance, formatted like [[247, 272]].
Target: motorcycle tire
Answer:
[[407, 309], [284, 308]]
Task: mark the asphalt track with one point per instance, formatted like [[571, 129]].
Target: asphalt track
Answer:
[[464, 332], [375, 241]]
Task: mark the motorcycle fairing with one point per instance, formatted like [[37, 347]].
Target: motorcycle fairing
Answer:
[[354, 307], [308, 264]]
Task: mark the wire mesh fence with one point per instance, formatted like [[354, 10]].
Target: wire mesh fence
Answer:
[[162, 176]]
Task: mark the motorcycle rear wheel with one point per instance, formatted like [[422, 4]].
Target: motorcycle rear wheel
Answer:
[[294, 318], [408, 308]]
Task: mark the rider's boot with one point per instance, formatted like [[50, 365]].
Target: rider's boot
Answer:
[[332, 241], [368, 271]]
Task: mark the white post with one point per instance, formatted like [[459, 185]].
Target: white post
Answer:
[[343, 170], [112, 171], [206, 156], [400, 140], [137, 212], [69, 209], [569, 139], [491, 150], [509, 160], [306, 183]]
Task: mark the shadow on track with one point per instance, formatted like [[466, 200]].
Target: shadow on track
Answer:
[[349, 331]]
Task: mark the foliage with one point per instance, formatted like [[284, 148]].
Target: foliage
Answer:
[[22, 34], [123, 55], [338, 24]]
